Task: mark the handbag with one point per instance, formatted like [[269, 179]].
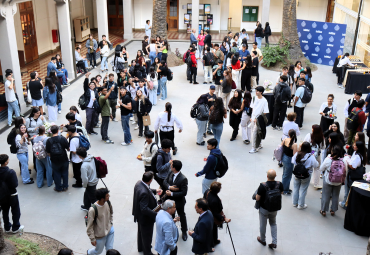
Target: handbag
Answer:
[[146, 120], [278, 153], [151, 85], [233, 86], [357, 174]]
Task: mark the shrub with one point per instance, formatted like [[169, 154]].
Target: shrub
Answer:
[[275, 54]]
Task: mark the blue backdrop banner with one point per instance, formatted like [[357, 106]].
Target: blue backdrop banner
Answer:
[[321, 42]]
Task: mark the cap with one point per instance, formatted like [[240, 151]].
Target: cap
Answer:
[[213, 87]]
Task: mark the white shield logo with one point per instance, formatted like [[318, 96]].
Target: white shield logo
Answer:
[[342, 40], [328, 51], [309, 36], [306, 47], [317, 49], [339, 52], [303, 24], [299, 34], [331, 62], [320, 37], [319, 61], [325, 26], [314, 25], [336, 28], [331, 39]]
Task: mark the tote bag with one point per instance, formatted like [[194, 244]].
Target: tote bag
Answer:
[[146, 120]]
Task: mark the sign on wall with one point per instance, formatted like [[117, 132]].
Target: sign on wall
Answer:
[[321, 42]]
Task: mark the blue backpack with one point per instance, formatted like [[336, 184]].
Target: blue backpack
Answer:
[[84, 142]]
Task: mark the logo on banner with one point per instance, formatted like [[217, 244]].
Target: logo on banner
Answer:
[[314, 25], [303, 24], [306, 47], [299, 34], [331, 39], [336, 28], [331, 62], [325, 26], [320, 37], [319, 61], [342, 40], [328, 51], [339, 52], [317, 49], [309, 36]]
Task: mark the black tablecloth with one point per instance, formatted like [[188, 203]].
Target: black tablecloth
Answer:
[[357, 81], [271, 101], [357, 217], [335, 65]]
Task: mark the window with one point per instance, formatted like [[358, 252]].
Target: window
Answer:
[[350, 4], [366, 8], [250, 13], [173, 8], [345, 18]]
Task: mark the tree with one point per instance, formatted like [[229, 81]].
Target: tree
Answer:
[[289, 31], [2, 240], [159, 23]]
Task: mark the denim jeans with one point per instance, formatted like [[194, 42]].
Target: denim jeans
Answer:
[[59, 106], [44, 165], [152, 56], [287, 172], [201, 129], [65, 72], [87, 64], [153, 94], [106, 241], [259, 42], [271, 216], [163, 82], [346, 191], [104, 63], [13, 106], [23, 159], [300, 190], [60, 172], [60, 74], [217, 131], [159, 55], [13, 204], [125, 121], [209, 126]]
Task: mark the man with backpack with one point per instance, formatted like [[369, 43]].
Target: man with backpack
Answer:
[[74, 144], [299, 101], [56, 147], [308, 84], [9, 196], [150, 149], [161, 162], [356, 121], [218, 74], [282, 95], [208, 62], [269, 197], [90, 97], [351, 103], [88, 177], [192, 63], [100, 228], [208, 169]]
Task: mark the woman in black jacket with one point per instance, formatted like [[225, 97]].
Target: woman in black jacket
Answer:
[[267, 33], [215, 206], [247, 74], [143, 108], [235, 105], [259, 35], [333, 128]]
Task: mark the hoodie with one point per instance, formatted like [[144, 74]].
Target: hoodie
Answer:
[[88, 172], [163, 165], [11, 179], [286, 92], [210, 166]]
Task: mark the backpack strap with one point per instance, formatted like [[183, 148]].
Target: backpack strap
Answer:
[[266, 186], [95, 212]]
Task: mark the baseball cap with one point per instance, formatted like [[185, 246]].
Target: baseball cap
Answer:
[[212, 87]]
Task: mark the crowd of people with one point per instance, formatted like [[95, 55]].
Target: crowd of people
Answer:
[[232, 72]]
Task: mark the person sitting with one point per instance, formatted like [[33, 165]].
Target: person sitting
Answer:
[[80, 61], [52, 67], [60, 65]]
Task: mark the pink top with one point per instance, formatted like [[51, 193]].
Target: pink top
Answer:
[[201, 40]]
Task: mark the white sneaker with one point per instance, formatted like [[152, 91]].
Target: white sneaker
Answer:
[[133, 123], [259, 147], [317, 186], [301, 207], [131, 118], [252, 151], [115, 120], [20, 229], [295, 205], [124, 144], [59, 112], [137, 127]]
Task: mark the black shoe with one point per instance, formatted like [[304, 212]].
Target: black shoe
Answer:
[[94, 133], [205, 136], [209, 133], [174, 151], [30, 182], [31, 179], [195, 83], [204, 82], [247, 142], [232, 139], [77, 186], [184, 236], [203, 143], [84, 209], [200, 144], [190, 82]]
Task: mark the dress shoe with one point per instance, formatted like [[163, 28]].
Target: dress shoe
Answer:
[[272, 246], [260, 241], [184, 236]]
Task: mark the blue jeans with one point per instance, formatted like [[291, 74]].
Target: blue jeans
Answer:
[[153, 94], [287, 172], [13, 106], [201, 129], [106, 241], [59, 106], [65, 72], [152, 56], [104, 63], [159, 55], [87, 64], [44, 165], [163, 82], [23, 159], [125, 121], [259, 42], [60, 172], [217, 131], [300, 190], [346, 191], [61, 75]]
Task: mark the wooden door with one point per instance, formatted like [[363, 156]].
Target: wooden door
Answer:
[[173, 15], [28, 31], [115, 14]]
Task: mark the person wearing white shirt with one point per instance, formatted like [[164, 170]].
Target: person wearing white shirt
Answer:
[[104, 52], [327, 108], [73, 109], [351, 103], [290, 124], [148, 29], [260, 106], [149, 150], [340, 70], [165, 123], [11, 98], [74, 144]]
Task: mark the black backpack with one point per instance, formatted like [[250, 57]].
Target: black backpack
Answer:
[[193, 111], [169, 75], [153, 164], [4, 189], [56, 149], [189, 62], [221, 165], [11, 140], [59, 97], [82, 103], [353, 119], [300, 171], [203, 112], [272, 202], [307, 95], [210, 61], [284, 94]]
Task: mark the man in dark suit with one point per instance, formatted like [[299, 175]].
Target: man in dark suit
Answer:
[[202, 234], [177, 187], [207, 39], [142, 210]]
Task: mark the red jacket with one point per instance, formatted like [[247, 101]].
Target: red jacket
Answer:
[[193, 59], [361, 119]]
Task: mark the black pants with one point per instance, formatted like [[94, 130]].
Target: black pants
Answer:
[[92, 58], [147, 168], [13, 204], [80, 64], [168, 135], [174, 252], [90, 119], [89, 196], [267, 39], [215, 234], [258, 78], [246, 80], [96, 119], [141, 124], [340, 74], [193, 74], [159, 181], [180, 208], [144, 238], [279, 114], [234, 123], [104, 127], [77, 173], [299, 111], [112, 104], [164, 57]]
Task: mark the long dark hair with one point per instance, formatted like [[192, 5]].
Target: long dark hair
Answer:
[[361, 136], [50, 84], [291, 71], [19, 132], [247, 99], [361, 150], [305, 148], [33, 111], [203, 99], [338, 126], [293, 137], [337, 152], [53, 76], [152, 72], [60, 58], [345, 55], [141, 55], [334, 141], [298, 62], [309, 72], [229, 55], [218, 107], [74, 108], [234, 60], [317, 137], [168, 109], [235, 102], [249, 62], [228, 78], [18, 121]]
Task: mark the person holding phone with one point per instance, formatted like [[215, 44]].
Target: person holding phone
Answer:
[[105, 113]]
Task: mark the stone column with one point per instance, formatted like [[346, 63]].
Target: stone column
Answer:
[[265, 12], [9, 50], [127, 20], [66, 48], [159, 23], [102, 18], [195, 16]]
